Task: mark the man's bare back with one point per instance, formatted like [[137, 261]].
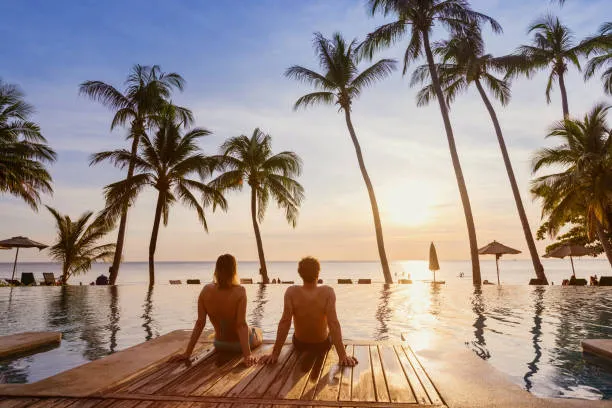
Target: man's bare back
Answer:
[[309, 306]]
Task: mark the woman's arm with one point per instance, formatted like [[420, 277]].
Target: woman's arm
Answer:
[[242, 329], [197, 331]]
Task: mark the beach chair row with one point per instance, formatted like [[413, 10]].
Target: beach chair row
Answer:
[[248, 281], [27, 279]]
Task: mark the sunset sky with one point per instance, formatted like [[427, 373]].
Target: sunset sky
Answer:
[[232, 55]]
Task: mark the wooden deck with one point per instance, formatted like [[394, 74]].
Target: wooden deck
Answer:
[[388, 374]]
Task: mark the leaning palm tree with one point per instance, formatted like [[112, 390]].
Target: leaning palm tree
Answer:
[[601, 45], [583, 184], [23, 149], [76, 246], [339, 84], [165, 162], [417, 19], [147, 90], [269, 176], [552, 47], [464, 63]]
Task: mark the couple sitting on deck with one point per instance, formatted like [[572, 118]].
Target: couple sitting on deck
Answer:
[[312, 308]]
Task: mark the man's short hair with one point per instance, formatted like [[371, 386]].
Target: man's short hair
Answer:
[[309, 268]]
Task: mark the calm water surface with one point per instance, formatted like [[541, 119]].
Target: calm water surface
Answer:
[[532, 334]]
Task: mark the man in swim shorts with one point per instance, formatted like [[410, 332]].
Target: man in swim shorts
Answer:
[[313, 311]]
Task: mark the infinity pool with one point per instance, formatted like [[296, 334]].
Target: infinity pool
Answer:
[[532, 334]]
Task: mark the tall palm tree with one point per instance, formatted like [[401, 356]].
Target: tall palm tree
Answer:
[[464, 63], [583, 186], [601, 44], [23, 149], [165, 162], [552, 47], [147, 90], [339, 84], [417, 19], [269, 175], [76, 246]]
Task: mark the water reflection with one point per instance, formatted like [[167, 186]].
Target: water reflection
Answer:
[[383, 314], [113, 326], [147, 316], [258, 312], [536, 331], [478, 307]]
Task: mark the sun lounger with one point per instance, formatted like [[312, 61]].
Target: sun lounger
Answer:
[[193, 281], [288, 282], [605, 281], [404, 281], [535, 281], [49, 278], [27, 278], [244, 281], [13, 282], [364, 281], [344, 281], [578, 282], [175, 281]]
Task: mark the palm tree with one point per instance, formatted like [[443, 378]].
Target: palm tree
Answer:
[[147, 90], [339, 84], [420, 17], [23, 149], [166, 162], [552, 47], [269, 176], [77, 245], [465, 63], [584, 183], [601, 44]]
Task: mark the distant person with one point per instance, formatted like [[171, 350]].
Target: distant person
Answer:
[[224, 302], [278, 280], [313, 310], [102, 280], [274, 280]]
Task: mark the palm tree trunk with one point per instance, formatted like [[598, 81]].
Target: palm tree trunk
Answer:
[[65, 274], [364, 173], [605, 243], [465, 199], [153, 243], [114, 272], [563, 96], [535, 258], [260, 252]]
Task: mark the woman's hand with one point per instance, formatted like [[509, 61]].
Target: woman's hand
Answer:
[[249, 360], [181, 358], [269, 359]]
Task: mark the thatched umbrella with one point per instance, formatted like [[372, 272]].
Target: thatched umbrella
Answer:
[[20, 242], [433, 260], [497, 249], [569, 250]]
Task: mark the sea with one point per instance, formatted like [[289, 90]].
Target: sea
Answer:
[[531, 334]]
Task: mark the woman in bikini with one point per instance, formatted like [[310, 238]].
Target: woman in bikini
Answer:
[[224, 302]]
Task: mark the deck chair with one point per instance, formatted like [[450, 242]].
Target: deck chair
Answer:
[[175, 281], [344, 281], [605, 281], [193, 281], [364, 281], [49, 278], [27, 278], [404, 281], [245, 281]]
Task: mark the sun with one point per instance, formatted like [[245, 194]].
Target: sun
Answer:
[[409, 204]]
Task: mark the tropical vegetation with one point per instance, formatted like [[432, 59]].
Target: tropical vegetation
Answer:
[[268, 174], [147, 92], [167, 161], [77, 244], [340, 83], [24, 152], [463, 63], [583, 184], [601, 46]]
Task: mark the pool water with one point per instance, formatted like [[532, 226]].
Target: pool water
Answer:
[[532, 334]]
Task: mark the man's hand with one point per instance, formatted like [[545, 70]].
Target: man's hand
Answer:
[[249, 360], [181, 358], [269, 359], [349, 361]]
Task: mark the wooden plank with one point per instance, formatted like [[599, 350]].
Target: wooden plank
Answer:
[[423, 377], [86, 403], [397, 382], [218, 374], [264, 378], [327, 361], [52, 403], [380, 383], [279, 380], [417, 388], [328, 386], [239, 374], [17, 402], [362, 388], [296, 378], [346, 378]]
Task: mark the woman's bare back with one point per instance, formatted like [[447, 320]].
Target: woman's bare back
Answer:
[[222, 308]]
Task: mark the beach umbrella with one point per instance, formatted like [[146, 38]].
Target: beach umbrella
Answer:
[[497, 249], [433, 260], [571, 251], [20, 242]]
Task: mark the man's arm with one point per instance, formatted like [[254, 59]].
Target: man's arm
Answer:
[[282, 331], [195, 334], [336, 332]]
